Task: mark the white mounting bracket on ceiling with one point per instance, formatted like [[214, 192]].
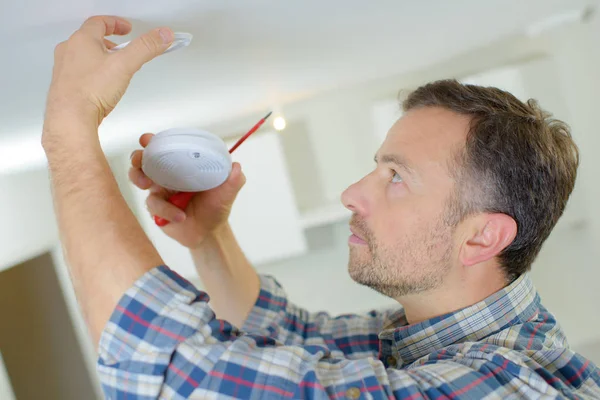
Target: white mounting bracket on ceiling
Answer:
[[182, 39]]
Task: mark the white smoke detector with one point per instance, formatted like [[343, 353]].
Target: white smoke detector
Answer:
[[186, 160]]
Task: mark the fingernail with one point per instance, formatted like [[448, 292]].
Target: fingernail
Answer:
[[132, 154], [179, 217], [166, 34]]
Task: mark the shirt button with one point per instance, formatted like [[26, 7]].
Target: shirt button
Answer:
[[391, 360], [353, 393]]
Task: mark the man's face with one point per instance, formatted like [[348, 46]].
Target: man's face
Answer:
[[402, 240]]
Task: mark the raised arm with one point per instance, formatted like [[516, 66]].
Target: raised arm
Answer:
[[105, 247]]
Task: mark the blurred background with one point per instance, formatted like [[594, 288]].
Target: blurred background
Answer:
[[332, 71]]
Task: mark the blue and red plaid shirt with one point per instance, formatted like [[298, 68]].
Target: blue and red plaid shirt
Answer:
[[163, 341]]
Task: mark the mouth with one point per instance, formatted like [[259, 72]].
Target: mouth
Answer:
[[355, 238]]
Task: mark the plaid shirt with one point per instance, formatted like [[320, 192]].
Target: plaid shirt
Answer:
[[163, 341]]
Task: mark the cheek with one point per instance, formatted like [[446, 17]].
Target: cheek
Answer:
[[395, 226], [403, 215], [404, 218]]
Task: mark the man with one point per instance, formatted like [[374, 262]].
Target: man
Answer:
[[467, 186]]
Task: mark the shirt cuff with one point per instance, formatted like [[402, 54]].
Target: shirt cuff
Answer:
[[269, 308], [154, 314]]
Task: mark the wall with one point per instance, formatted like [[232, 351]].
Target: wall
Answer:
[[37, 339], [6, 390], [579, 62], [28, 226]]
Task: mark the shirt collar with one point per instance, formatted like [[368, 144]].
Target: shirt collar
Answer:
[[516, 303]]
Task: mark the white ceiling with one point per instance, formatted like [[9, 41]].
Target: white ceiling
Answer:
[[246, 55]]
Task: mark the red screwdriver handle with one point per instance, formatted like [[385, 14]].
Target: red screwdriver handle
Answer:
[[181, 200]]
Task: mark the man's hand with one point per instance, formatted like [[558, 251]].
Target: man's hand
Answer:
[[206, 214], [88, 81]]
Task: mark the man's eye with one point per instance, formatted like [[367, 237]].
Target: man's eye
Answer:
[[396, 178]]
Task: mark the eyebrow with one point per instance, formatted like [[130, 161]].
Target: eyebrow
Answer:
[[397, 160]]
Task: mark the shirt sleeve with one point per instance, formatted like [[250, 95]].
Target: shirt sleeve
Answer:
[[163, 341]]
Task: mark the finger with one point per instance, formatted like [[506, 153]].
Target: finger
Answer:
[[145, 139], [157, 189], [139, 179], [136, 156], [109, 45], [161, 191], [145, 48], [236, 179], [234, 182], [160, 207], [136, 159], [106, 25]]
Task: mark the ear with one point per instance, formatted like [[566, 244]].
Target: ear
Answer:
[[491, 234]]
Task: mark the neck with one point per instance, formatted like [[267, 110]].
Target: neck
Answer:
[[457, 292]]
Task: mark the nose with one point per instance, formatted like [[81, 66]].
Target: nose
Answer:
[[353, 198]]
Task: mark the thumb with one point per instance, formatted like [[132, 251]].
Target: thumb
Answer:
[[145, 48], [236, 179]]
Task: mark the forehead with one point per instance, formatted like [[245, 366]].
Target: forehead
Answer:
[[427, 137]]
